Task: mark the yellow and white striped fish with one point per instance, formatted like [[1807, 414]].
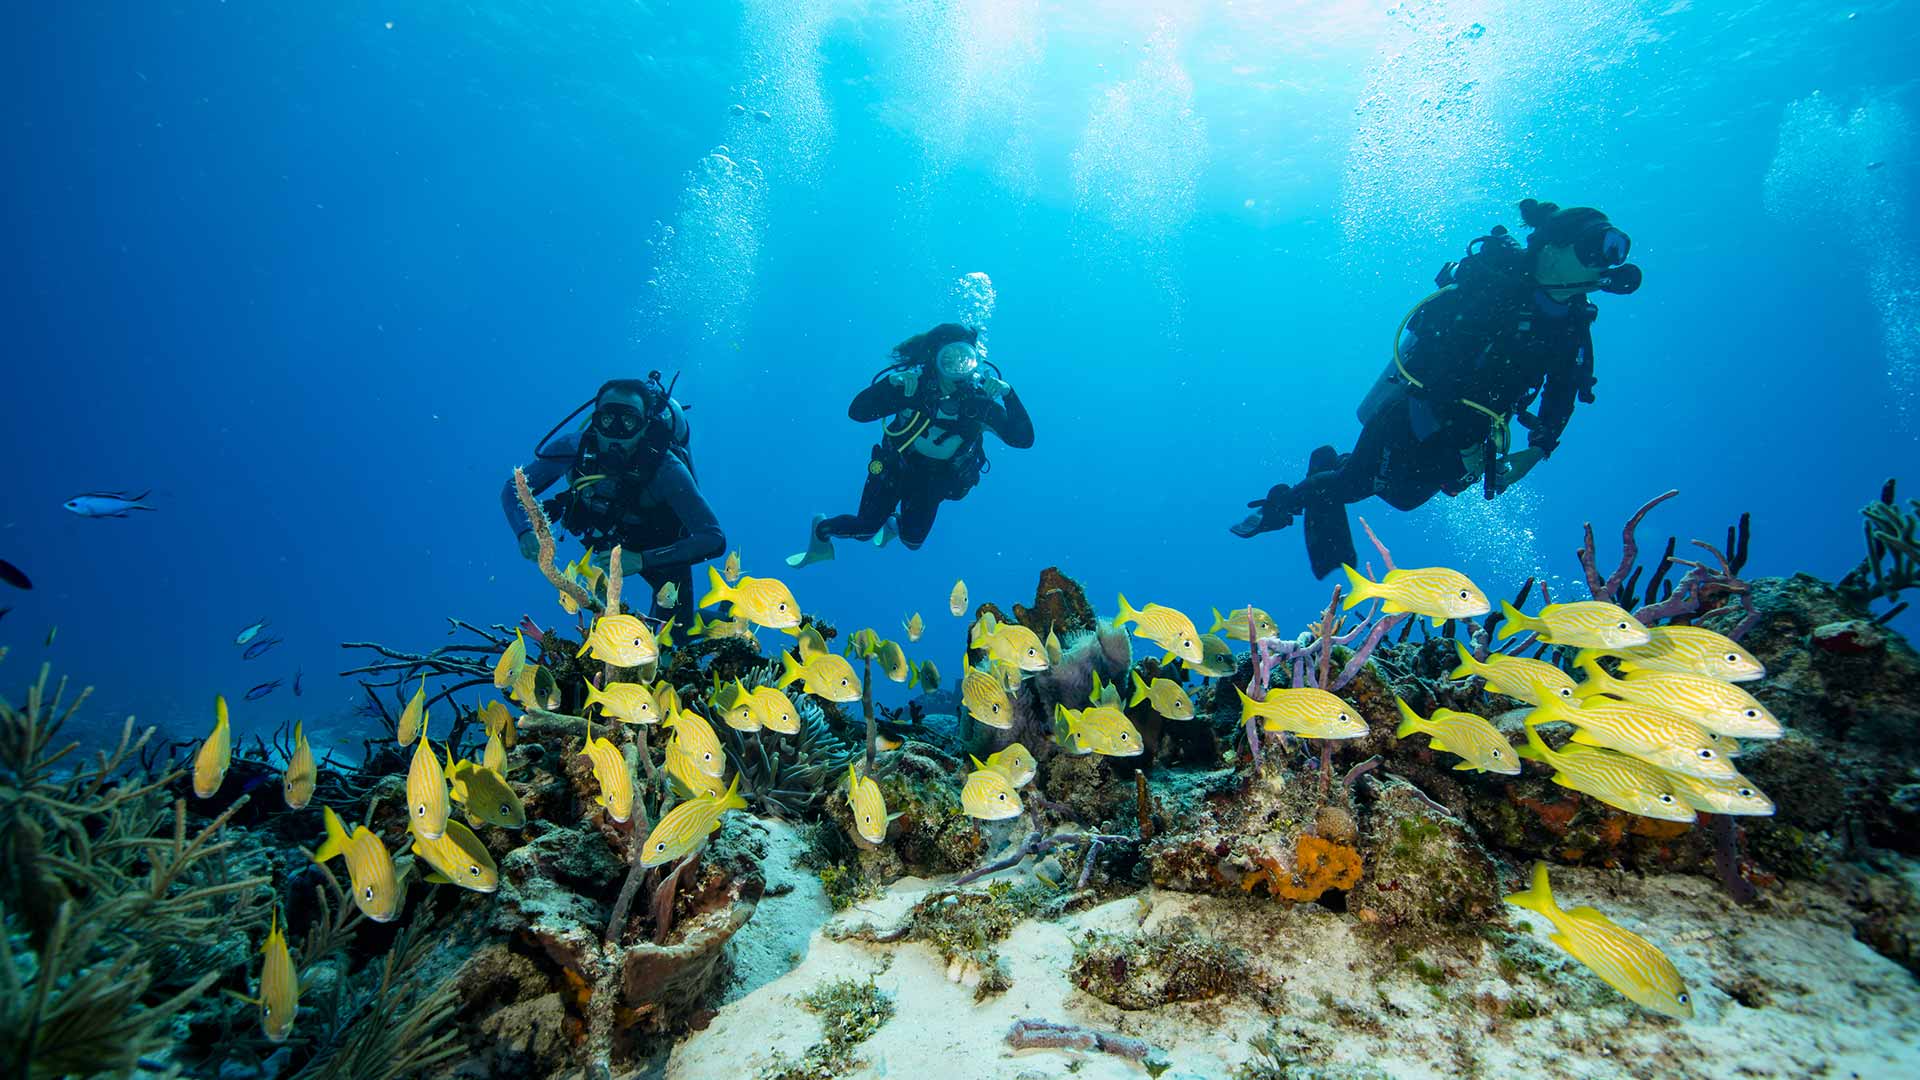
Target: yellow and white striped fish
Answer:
[[738, 709], [1583, 624], [989, 795], [211, 760], [506, 671], [535, 688], [1690, 650], [1464, 735], [914, 627], [496, 720], [1303, 710], [730, 570], [1166, 696], [495, 755], [1015, 644], [414, 716], [1720, 707], [762, 601], [1615, 779], [629, 703], [689, 781], [776, 710], [611, 772], [1016, 762], [1054, 656], [1434, 591], [279, 998], [686, 826], [666, 698], [621, 641], [426, 791], [301, 775], [808, 642], [1653, 735], [376, 891], [826, 675], [868, 805], [985, 697], [1532, 681], [1624, 960], [1164, 626], [458, 858], [1102, 729], [1735, 795], [1216, 658], [699, 742], [1235, 624], [957, 599], [893, 661], [486, 795]]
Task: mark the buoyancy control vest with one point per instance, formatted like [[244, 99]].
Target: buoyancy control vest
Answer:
[[606, 485]]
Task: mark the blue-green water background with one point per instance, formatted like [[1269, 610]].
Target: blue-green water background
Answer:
[[320, 274]]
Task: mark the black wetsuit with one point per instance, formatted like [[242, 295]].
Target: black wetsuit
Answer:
[[904, 470], [665, 520]]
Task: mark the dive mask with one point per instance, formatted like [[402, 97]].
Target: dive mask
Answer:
[[958, 361], [618, 421], [1601, 246]]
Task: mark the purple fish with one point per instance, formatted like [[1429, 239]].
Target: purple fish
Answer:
[[263, 690], [13, 576], [259, 648], [106, 504]]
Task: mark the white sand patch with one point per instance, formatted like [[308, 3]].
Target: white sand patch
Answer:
[[1821, 1002]]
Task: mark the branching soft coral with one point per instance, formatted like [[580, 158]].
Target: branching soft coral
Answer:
[[1318, 865]]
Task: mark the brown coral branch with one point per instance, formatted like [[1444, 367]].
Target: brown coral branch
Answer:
[[1036, 1034], [543, 532], [616, 574]]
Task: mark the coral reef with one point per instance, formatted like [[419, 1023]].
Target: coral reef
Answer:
[[850, 1013], [1175, 962]]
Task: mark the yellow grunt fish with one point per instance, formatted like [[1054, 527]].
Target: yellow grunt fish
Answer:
[[496, 720], [1690, 650], [458, 858], [666, 698], [279, 998], [1735, 795], [989, 795], [686, 826], [1624, 960], [868, 805], [762, 601], [615, 778], [1166, 696], [211, 760], [1615, 779], [1103, 729], [1464, 735], [1720, 707], [376, 891], [514, 657], [985, 697], [1653, 735], [957, 599], [808, 642], [1236, 624], [776, 710], [668, 595], [297, 784], [730, 570], [1532, 681], [495, 755], [1434, 591], [688, 780], [1305, 711], [698, 742], [1053, 648], [914, 627], [629, 703], [1584, 624], [426, 791], [1014, 644], [414, 716], [1216, 658], [824, 675], [1164, 626], [621, 641], [737, 708], [1016, 761], [486, 795], [893, 661]]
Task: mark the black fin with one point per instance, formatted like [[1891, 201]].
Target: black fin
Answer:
[[1329, 537]]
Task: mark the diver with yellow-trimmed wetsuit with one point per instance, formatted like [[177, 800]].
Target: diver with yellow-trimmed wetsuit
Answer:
[[1508, 329], [938, 401]]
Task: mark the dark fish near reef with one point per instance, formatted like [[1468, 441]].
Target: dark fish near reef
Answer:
[[250, 633], [259, 648], [13, 576], [296, 681], [106, 504], [263, 690]]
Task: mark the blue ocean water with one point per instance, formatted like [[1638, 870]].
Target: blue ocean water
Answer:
[[320, 275]]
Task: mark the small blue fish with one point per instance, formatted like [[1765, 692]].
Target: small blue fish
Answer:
[[297, 672], [263, 690], [106, 504], [259, 648], [250, 633]]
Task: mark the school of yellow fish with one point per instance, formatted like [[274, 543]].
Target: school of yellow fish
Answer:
[[1655, 739]]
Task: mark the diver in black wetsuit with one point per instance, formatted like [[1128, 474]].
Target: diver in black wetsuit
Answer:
[[629, 481], [1509, 325], [938, 404]]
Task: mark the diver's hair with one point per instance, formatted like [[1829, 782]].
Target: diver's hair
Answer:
[[1552, 225], [920, 349], [640, 388]]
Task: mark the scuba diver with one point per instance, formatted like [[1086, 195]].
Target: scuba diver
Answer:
[[938, 403], [1507, 326], [629, 481]]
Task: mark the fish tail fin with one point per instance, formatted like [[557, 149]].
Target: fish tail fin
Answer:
[[1597, 680], [1127, 614], [1537, 897], [1535, 748], [1410, 721], [1218, 622], [1139, 691], [298, 736], [1516, 621], [336, 841], [717, 589], [1361, 586], [219, 711], [1468, 665], [1246, 704], [733, 800], [789, 669]]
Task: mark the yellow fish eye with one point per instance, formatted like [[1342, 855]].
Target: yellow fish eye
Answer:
[[369, 892], [1684, 999], [1622, 626], [660, 846], [474, 870], [1566, 691], [1732, 659], [1666, 799], [1753, 714], [1746, 793], [1704, 754], [1497, 755]]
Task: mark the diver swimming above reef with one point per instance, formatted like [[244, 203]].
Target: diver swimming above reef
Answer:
[[1507, 327], [938, 403], [629, 482]]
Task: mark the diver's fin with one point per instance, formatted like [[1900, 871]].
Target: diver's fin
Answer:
[[888, 531], [1329, 536], [818, 549]]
